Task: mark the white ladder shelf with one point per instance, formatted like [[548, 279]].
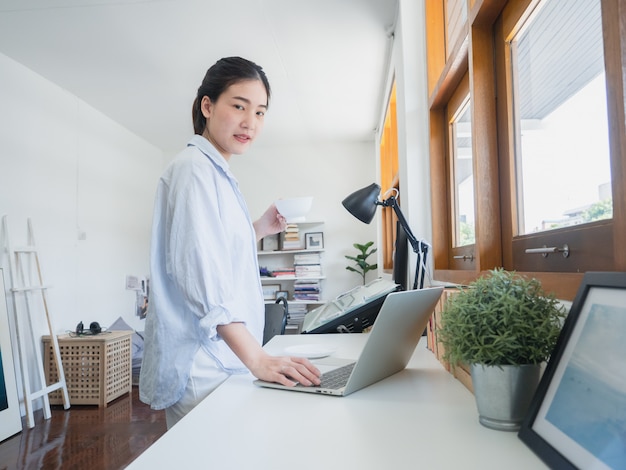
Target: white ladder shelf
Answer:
[[27, 286]]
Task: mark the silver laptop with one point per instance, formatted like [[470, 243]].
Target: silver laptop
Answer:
[[390, 344]]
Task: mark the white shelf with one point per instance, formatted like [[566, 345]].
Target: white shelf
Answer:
[[300, 302], [277, 260], [288, 252], [292, 278], [312, 222]]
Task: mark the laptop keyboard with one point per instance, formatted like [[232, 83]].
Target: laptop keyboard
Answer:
[[336, 378]]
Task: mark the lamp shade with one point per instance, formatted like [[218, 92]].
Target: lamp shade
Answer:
[[362, 203]]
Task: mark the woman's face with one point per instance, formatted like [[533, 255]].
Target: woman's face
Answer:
[[237, 117]]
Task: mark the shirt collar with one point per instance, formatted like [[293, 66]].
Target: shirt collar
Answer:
[[207, 148]]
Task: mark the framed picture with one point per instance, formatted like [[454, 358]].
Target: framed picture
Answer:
[[577, 418], [10, 418], [269, 243], [282, 294], [314, 240], [270, 291]]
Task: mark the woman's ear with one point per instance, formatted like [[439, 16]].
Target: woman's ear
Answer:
[[206, 106]]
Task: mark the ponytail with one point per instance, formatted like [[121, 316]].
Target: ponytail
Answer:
[[199, 121]]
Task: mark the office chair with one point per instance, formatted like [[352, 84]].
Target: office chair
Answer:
[[275, 319]]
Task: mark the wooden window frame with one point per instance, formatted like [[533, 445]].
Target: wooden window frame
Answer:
[[460, 257], [478, 52], [591, 244]]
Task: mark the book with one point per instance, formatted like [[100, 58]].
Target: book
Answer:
[[284, 272], [290, 238], [291, 245], [307, 290], [307, 258], [308, 270]]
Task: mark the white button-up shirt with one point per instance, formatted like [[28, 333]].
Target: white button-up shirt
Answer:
[[203, 272]]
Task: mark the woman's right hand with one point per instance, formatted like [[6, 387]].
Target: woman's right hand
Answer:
[[288, 371]]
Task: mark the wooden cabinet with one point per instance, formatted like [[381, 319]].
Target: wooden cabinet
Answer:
[[97, 368]]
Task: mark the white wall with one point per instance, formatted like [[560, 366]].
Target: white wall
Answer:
[[71, 169], [326, 171]]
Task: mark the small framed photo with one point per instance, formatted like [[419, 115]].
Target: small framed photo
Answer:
[[270, 243], [270, 291], [577, 418], [282, 294], [314, 240]]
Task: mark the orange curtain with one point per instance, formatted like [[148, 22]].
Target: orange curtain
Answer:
[[389, 177]]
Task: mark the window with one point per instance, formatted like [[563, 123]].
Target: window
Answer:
[[463, 173], [556, 140], [547, 124], [559, 94]]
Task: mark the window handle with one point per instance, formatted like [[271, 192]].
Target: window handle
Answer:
[[465, 257], [546, 250]]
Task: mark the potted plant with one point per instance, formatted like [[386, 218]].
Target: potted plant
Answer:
[[362, 266], [504, 326]]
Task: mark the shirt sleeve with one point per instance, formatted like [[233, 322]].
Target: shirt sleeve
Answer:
[[197, 251]]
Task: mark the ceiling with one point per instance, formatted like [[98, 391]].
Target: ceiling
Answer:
[[140, 62]]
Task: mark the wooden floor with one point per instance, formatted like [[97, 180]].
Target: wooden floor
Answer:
[[85, 437]]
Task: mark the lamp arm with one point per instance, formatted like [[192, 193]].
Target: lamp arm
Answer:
[[420, 248], [417, 245]]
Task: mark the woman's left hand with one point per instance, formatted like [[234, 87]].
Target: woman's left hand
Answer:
[[269, 223]]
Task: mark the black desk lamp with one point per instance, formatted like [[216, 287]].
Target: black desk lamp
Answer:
[[362, 205]]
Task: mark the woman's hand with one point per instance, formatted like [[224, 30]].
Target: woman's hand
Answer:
[[269, 223], [288, 371], [285, 370]]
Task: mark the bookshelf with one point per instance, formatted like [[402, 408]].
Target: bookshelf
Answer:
[[292, 265]]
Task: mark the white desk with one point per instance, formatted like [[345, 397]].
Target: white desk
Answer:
[[419, 418]]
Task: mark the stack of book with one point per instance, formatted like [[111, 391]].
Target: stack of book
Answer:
[[307, 290], [307, 264], [296, 315], [308, 270], [314, 257], [289, 271], [291, 238]]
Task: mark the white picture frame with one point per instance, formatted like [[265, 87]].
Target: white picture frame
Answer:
[[314, 240], [270, 243], [270, 290]]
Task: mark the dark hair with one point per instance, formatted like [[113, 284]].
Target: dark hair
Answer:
[[224, 73]]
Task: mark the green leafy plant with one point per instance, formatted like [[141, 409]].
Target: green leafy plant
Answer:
[[362, 266], [500, 319], [599, 211]]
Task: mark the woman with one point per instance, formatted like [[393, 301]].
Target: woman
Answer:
[[206, 310]]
